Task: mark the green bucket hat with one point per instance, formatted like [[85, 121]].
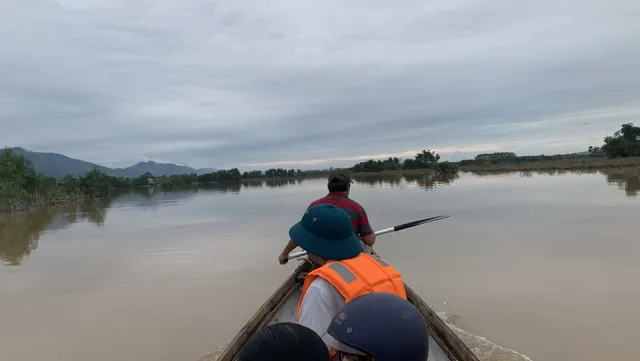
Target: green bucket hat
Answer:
[[326, 231]]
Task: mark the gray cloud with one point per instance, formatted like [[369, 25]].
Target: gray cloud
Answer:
[[236, 83]]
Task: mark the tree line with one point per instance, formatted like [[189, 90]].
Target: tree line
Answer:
[[426, 159], [512, 158], [623, 143], [21, 186], [222, 175]]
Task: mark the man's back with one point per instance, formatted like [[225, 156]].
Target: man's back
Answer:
[[321, 302], [339, 186], [329, 287], [359, 218], [344, 273]]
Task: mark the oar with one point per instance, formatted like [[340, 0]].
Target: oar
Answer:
[[399, 227]]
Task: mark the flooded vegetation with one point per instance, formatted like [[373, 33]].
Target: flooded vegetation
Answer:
[[520, 269], [23, 187], [20, 234], [568, 164]]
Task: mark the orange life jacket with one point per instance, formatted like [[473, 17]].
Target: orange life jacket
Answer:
[[357, 276]]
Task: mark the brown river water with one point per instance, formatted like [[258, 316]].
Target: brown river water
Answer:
[[529, 266]]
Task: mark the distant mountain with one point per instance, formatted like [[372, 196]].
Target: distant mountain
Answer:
[[157, 169], [58, 165]]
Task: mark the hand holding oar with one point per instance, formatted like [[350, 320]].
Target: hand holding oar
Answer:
[[388, 230]]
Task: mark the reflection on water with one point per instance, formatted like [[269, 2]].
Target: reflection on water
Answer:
[[626, 179], [253, 183], [19, 234], [279, 183], [171, 274], [427, 181], [270, 183], [380, 181], [530, 173]]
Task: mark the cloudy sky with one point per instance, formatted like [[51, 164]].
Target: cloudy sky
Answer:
[[307, 84]]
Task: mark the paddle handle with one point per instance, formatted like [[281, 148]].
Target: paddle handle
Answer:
[[387, 230], [304, 253]]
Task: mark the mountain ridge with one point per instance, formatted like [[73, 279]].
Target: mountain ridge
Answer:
[[59, 165]]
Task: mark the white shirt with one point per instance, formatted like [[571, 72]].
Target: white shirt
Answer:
[[320, 305]]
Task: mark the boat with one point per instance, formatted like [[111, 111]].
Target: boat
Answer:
[[444, 344]]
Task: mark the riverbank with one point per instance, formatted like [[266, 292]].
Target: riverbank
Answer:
[[397, 172], [34, 202], [568, 164], [23, 208], [58, 198], [325, 173]]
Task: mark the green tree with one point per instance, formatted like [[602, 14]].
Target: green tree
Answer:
[[427, 158], [624, 143], [95, 184], [389, 164], [446, 168], [69, 184], [497, 157], [594, 151], [18, 181], [143, 180]]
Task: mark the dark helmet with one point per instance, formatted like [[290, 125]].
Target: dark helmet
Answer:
[[284, 342], [381, 325]]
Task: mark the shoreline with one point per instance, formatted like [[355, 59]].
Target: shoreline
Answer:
[[569, 164], [397, 171], [30, 208], [23, 207]]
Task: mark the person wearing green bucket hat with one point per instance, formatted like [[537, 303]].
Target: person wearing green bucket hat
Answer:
[[344, 272], [325, 231], [339, 186]]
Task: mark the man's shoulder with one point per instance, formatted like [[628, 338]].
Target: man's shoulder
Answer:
[[356, 203], [320, 282], [324, 289], [340, 201]]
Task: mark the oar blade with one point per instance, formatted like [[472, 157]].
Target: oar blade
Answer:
[[419, 222]]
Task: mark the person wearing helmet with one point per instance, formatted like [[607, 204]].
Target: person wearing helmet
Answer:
[[339, 185], [343, 271], [378, 327]]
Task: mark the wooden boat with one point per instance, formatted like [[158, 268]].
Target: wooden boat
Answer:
[[444, 344]]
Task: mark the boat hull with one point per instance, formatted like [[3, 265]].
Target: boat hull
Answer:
[[444, 344]]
